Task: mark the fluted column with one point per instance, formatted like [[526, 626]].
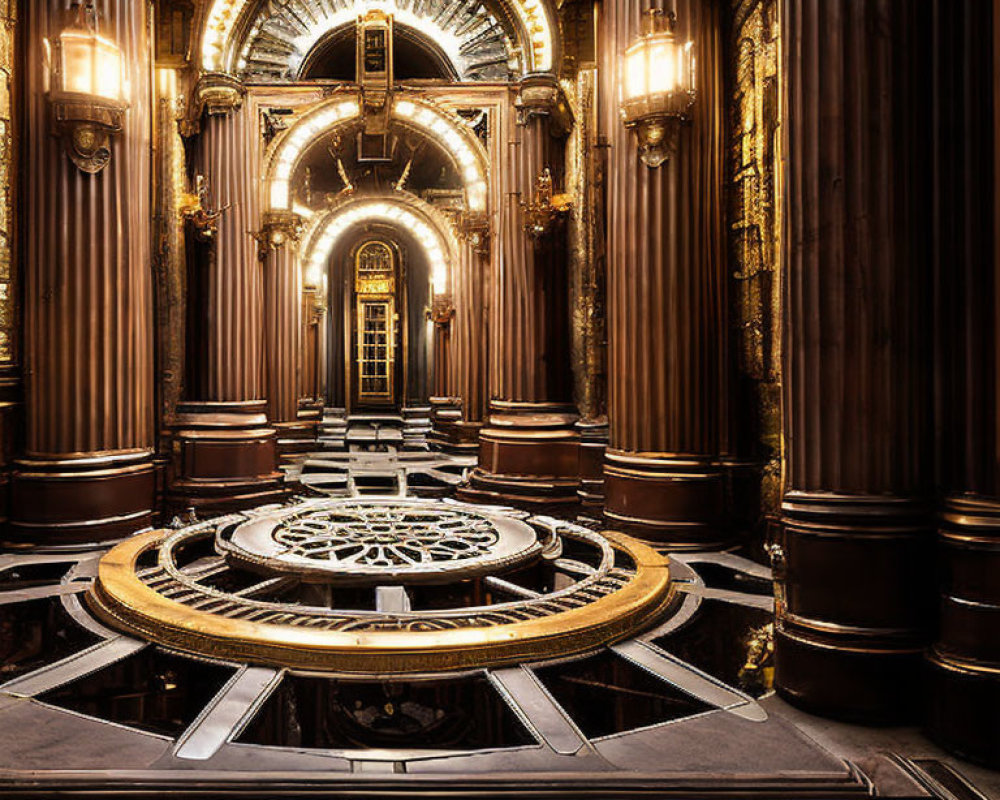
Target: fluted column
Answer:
[[86, 474], [225, 454], [528, 448], [667, 327], [283, 342], [458, 408], [964, 661], [854, 585]]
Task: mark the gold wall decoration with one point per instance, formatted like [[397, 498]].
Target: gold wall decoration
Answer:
[[754, 218]]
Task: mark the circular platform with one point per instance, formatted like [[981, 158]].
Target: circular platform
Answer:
[[507, 599], [380, 542]]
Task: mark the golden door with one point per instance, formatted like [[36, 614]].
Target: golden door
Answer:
[[375, 316]]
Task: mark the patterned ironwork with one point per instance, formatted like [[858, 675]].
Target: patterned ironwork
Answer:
[[379, 541], [387, 536]]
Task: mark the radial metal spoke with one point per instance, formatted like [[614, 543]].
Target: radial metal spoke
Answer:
[[689, 679], [537, 709], [223, 718], [75, 666]]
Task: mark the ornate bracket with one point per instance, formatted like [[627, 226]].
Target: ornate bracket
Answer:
[[542, 96], [86, 129], [279, 229], [545, 208]]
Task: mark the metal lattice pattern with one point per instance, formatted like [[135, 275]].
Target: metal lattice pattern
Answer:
[[378, 542], [386, 536]]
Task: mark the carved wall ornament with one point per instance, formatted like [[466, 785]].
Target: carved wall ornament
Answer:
[[545, 207]]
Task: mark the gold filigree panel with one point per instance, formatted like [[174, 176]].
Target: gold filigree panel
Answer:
[[754, 216], [8, 290]]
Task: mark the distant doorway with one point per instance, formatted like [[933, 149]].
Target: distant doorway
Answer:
[[375, 357]]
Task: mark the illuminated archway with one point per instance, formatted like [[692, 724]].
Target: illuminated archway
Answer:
[[461, 145], [417, 217], [228, 25]]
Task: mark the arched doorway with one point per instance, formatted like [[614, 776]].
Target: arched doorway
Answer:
[[376, 315]]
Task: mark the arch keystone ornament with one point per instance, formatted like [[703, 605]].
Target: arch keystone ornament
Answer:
[[313, 550]]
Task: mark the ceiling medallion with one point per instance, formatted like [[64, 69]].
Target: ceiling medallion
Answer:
[[382, 586]]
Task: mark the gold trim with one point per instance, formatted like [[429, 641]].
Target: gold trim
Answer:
[[122, 600]]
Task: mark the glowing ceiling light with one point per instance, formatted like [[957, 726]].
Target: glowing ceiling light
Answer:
[[324, 237]]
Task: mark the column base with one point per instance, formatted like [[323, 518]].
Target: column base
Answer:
[[852, 604], [528, 455], [294, 439], [851, 678], [678, 501], [224, 457], [86, 500], [963, 667], [449, 433], [593, 444], [962, 705]]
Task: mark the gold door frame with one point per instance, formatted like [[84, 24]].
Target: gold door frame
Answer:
[[379, 286]]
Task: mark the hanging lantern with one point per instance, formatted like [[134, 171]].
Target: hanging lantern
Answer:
[[87, 89], [658, 87]]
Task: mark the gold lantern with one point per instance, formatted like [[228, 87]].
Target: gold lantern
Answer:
[[86, 88], [658, 89]]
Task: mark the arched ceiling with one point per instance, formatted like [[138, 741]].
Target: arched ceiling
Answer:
[[485, 39], [474, 42]]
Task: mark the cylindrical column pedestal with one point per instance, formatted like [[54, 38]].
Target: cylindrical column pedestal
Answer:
[[87, 474], [223, 457], [667, 306], [853, 570]]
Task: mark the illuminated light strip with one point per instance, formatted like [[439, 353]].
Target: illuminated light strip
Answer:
[[535, 20], [457, 140], [222, 16], [219, 26], [326, 233]]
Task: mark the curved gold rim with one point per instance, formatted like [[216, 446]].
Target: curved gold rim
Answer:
[[122, 600]]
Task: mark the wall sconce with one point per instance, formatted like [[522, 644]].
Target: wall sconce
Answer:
[[658, 88], [546, 207], [86, 88], [197, 209]]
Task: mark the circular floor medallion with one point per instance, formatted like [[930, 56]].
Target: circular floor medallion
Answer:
[[342, 587], [380, 542]]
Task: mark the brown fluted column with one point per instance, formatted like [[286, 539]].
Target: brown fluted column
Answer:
[[86, 474], [225, 451], [964, 661], [528, 447], [667, 330], [282, 340], [458, 409], [854, 585], [311, 365]]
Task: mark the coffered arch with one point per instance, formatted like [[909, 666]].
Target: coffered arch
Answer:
[[484, 39]]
